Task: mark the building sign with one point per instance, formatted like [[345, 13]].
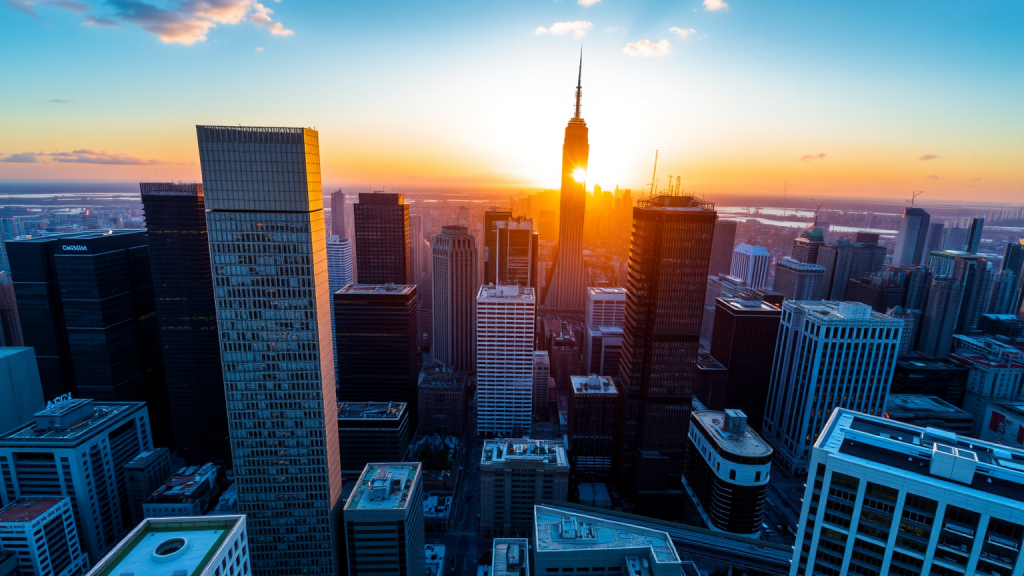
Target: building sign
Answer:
[[59, 400], [74, 248]]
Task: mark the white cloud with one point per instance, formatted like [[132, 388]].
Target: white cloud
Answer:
[[681, 33], [578, 29], [587, 3], [278, 29], [261, 15], [191, 20], [610, 29], [647, 48], [716, 5], [259, 48]]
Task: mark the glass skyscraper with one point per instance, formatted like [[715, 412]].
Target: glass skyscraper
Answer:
[[267, 246]]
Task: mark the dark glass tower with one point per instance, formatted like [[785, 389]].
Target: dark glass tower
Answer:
[[722, 247], [382, 239], [668, 265], [179, 255], [86, 305]]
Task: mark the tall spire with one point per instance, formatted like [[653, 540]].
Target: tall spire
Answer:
[[579, 87]]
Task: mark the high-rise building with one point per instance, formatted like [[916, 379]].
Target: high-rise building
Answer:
[[669, 255], [974, 275], [940, 316], [378, 344], [41, 534], [372, 432], [10, 323], [541, 381], [384, 521], [590, 424], [143, 475], [197, 546], [505, 319], [955, 239], [602, 350], [829, 355], [515, 255], [1013, 260], [750, 263], [799, 281], [78, 449], [881, 292], [808, 243], [845, 260], [911, 321], [179, 256], [939, 377], [516, 475], [974, 236], [443, 400], [382, 239], [728, 467], [925, 411], [746, 329], [339, 220], [565, 290], [936, 237], [86, 305], [21, 392], [995, 371], [489, 255], [1003, 293], [606, 306], [268, 249], [884, 497], [911, 238], [721, 286], [916, 281], [455, 285], [339, 275], [722, 247]]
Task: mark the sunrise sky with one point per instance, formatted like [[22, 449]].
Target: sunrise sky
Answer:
[[851, 98]]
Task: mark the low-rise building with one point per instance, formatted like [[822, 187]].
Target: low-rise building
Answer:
[[930, 376], [1004, 423], [434, 556], [144, 474], [444, 400], [40, 532], [925, 411], [372, 432], [191, 491], [384, 521], [198, 546], [510, 557], [437, 512], [515, 475], [591, 424], [995, 372]]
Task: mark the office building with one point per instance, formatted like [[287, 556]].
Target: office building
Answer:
[[924, 376], [670, 247], [750, 263], [807, 244], [881, 292], [1003, 423], [179, 257], [40, 532], [339, 275], [712, 377], [1009, 325], [382, 239], [505, 319], [973, 274], [541, 381], [911, 238], [916, 281], [606, 307], [940, 317], [974, 236], [372, 432], [722, 247], [846, 260], [994, 372], [434, 555], [890, 498], [602, 350], [191, 491], [339, 216], [489, 255], [1003, 293], [378, 344], [721, 286], [515, 475], [728, 467], [10, 323], [565, 540], [1013, 260], [828, 355], [746, 329], [21, 392], [566, 288], [455, 285], [78, 449], [443, 400], [911, 320], [143, 475], [510, 557], [62, 282], [564, 352], [384, 521], [929, 411], [590, 424], [516, 252], [263, 196], [799, 281], [198, 546]]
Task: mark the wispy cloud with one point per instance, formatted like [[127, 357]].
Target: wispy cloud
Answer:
[[259, 48], [809, 157], [935, 177], [975, 179], [29, 6], [25, 7], [57, 101], [100, 21], [681, 33], [578, 29], [610, 29], [927, 157], [648, 49], [716, 5], [587, 3], [20, 158], [82, 156]]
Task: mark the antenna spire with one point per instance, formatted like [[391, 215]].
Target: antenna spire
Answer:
[[579, 87]]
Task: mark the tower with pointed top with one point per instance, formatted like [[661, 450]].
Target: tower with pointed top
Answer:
[[566, 286]]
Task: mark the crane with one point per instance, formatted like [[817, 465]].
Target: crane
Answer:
[[913, 196], [655, 174]]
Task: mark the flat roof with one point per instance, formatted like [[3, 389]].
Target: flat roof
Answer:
[[404, 289], [524, 449], [593, 384], [744, 306], [385, 486], [104, 413], [749, 443], [503, 292], [929, 363], [139, 553], [6, 351], [80, 235], [27, 509], [371, 410], [614, 294], [916, 404], [510, 557], [827, 311], [146, 457], [443, 377], [559, 529]]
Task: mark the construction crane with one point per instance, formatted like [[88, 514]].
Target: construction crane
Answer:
[[913, 196], [654, 176]]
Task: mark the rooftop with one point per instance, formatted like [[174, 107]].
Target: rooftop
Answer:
[[611, 331], [385, 486], [371, 410], [607, 293], [752, 250], [525, 449], [71, 422], [145, 458], [921, 362], [510, 557], [900, 405], [747, 306], [1013, 406], [505, 292], [826, 311], [440, 376], [559, 529], [434, 559], [741, 441], [84, 235], [187, 484], [404, 289], [593, 384], [27, 509], [787, 262], [169, 546], [674, 203]]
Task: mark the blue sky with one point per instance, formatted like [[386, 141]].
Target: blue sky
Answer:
[[478, 93]]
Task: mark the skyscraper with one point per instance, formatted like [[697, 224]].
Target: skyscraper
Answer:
[[911, 238], [339, 222], [590, 424], [974, 236], [339, 275], [606, 306], [1013, 260], [268, 249], [455, 286], [384, 521], [489, 255], [798, 280], [829, 355], [751, 264], [940, 316], [179, 256], [807, 244], [516, 253], [10, 323], [974, 274], [722, 247], [382, 239], [565, 291], [845, 260], [1003, 293], [669, 256], [718, 287], [505, 320]]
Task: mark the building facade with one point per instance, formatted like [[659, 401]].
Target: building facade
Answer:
[[41, 533], [443, 400], [721, 286], [799, 281], [455, 285], [21, 392], [382, 239], [384, 521], [516, 252], [515, 475], [845, 260], [541, 381], [750, 263], [144, 474], [722, 247], [606, 307], [591, 424], [372, 432], [911, 238], [505, 319]]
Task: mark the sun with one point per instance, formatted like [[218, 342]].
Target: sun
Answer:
[[579, 175]]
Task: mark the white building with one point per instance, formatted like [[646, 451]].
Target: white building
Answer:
[[995, 372], [606, 307], [41, 533], [828, 355], [505, 319], [884, 497], [1003, 423], [21, 393], [339, 274], [750, 263], [384, 521], [199, 546]]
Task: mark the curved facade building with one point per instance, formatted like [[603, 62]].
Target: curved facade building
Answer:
[[454, 293]]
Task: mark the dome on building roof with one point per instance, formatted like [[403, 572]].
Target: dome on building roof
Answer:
[[813, 233]]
